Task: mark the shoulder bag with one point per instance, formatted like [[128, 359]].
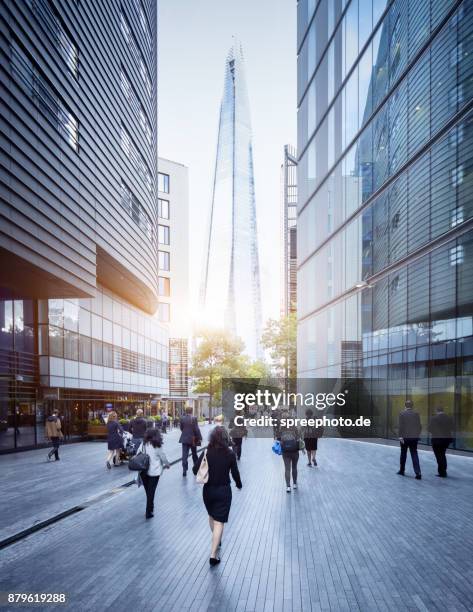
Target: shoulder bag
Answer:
[[202, 475], [140, 461]]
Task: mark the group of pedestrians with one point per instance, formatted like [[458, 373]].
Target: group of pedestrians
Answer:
[[441, 429]]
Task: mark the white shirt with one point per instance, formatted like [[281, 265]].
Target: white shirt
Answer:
[[157, 459]]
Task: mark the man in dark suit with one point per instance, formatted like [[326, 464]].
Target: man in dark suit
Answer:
[[409, 434], [441, 429], [190, 438]]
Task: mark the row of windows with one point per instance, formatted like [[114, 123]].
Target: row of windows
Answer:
[[51, 23], [131, 151], [57, 342], [403, 30], [137, 107], [427, 302], [433, 196], [130, 203], [48, 102], [105, 318], [133, 46], [433, 92]]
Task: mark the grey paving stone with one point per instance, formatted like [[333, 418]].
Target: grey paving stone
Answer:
[[354, 536]]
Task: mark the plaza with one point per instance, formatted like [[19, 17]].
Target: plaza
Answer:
[[354, 536]]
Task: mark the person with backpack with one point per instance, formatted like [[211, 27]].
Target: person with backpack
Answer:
[[221, 462], [311, 434], [290, 438], [158, 462]]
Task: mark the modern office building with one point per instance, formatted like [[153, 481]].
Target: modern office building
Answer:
[[174, 293], [230, 292], [385, 240], [78, 210], [289, 232]]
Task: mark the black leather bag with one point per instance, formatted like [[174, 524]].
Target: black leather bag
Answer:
[[139, 462]]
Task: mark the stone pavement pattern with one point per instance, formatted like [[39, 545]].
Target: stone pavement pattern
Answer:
[[33, 490], [354, 536]]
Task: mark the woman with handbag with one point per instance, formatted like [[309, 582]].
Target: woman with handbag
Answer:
[[158, 462], [217, 462], [114, 440]]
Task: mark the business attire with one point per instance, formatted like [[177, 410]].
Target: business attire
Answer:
[[190, 438], [150, 478], [441, 429], [217, 492], [409, 429], [237, 433], [138, 427]]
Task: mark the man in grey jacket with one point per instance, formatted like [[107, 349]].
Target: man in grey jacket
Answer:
[[409, 434], [190, 438]]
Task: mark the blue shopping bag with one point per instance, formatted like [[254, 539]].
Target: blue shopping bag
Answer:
[[276, 448]]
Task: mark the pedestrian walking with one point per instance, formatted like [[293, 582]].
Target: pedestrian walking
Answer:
[[190, 438], [237, 433], [138, 427], [217, 492], [441, 429], [409, 435], [54, 433], [114, 440], [164, 422], [311, 434], [290, 438], [158, 462]]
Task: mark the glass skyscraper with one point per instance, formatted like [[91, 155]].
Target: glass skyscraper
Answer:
[[230, 292], [385, 175]]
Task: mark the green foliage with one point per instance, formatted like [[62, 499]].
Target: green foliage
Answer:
[[95, 422], [280, 339], [219, 355]]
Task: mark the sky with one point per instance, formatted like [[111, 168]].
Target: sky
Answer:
[[194, 39]]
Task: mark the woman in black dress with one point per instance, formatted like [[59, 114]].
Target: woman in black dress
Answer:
[[311, 434], [217, 491], [114, 439]]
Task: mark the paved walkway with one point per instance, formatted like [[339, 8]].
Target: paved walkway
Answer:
[[33, 490], [354, 536]]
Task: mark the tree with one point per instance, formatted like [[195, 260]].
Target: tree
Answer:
[[280, 339], [218, 355]]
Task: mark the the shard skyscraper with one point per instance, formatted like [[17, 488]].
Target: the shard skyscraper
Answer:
[[230, 291]]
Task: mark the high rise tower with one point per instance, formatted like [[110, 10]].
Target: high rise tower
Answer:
[[230, 292]]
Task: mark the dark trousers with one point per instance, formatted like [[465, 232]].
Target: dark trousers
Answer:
[[149, 483], [55, 449], [439, 446], [237, 446], [290, 460], [410, 444], [185, 454]]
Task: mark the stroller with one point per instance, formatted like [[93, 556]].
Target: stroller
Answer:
[[128, 449]]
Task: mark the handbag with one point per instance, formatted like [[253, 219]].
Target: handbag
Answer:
[[301, 445], [276, 448], [139, 462], [202, 475]]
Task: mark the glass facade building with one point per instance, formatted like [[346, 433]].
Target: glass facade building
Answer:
[[385, 178], [230, 292], [79, 232]]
